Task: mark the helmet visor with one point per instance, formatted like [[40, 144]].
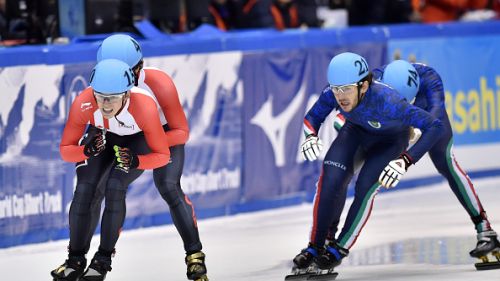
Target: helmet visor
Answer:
[[342, 89], [100, 97]]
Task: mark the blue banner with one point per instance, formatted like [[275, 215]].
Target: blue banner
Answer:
[[245, 113], [471, 77], [37, 186], [279, 89]]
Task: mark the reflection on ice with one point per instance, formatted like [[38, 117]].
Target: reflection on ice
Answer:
[[430, 250]]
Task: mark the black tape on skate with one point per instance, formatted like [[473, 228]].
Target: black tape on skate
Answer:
[[487, 265], [324, 277]]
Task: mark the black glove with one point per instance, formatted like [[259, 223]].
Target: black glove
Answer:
[[96, 145], [126, 159]]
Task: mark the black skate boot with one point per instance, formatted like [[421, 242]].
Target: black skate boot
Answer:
[[71, 270], [487, 242], [331, 257], [98, 268], [303, 265], [305, 258], [196, 269]]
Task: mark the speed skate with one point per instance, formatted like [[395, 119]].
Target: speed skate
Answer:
[[312, 273], [487, 264]]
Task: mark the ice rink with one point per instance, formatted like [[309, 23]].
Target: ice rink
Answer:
[[417, 234]]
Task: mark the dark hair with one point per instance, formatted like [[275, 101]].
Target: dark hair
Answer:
[[368, 78]]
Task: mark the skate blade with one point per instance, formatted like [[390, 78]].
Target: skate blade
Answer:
[[301, 274], [487, 265], [202, 278], [324, 276], [298, 277]]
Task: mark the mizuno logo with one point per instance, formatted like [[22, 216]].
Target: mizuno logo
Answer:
[[375, 124]]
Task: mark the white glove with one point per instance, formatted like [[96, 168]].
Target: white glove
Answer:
[[392, 173], [311, 148], [415, 135]]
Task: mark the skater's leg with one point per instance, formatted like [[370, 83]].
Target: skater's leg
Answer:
[[167, 180], [112, 222], [115, 207], [330, 193], [367, 186], [331, 189], [88, 174], [96, 206], [358, 163], [447, 165]]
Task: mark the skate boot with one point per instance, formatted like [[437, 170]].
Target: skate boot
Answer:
[[331, 257], [487, 242], [71, 270], [303, 265], [305, 258], [196, 269], [98, 268]]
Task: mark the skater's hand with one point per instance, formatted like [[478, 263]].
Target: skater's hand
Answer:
[[126, 159], [311, 148], [392, 173], [96, 145]]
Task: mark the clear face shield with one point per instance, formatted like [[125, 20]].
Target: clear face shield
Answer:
[[343, 89], [111, 98]]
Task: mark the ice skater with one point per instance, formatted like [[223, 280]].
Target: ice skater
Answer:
[[125, 137], [377, 123]]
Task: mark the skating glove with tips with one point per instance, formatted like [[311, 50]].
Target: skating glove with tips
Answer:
[[96, 145], [126, 159], [392, 173], [311, 148]]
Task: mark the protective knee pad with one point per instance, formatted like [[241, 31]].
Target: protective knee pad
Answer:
[[115, 194], [171, 192], [82, 198]]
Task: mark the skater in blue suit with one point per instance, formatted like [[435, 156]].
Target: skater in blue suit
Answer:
[[428, 94], [378, 122]]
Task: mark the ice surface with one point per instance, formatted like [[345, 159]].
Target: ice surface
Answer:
[[418, 234]]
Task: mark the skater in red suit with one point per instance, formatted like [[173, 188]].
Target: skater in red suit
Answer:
[[124, 137]]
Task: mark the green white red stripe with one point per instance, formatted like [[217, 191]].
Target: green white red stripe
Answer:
[[309, 129], [465, 186], [361, 218], [339, 121]]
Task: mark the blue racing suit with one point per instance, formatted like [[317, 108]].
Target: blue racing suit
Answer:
[[379, 126]]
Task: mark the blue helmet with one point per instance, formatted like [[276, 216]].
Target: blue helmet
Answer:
[[403, 77], [111, 77], [347, 68], [121, 47]]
